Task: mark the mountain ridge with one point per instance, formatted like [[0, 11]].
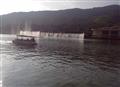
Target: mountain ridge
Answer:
[[67, 21]]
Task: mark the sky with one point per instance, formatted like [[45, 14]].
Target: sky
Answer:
[[8, 6]]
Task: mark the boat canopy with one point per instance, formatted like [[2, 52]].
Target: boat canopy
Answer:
[[25, 36]]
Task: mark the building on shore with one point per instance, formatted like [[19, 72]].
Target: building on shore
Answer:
[[27, 30], [53, 35], [104, 33]]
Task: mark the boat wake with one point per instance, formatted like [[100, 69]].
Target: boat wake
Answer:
[[5, 42]]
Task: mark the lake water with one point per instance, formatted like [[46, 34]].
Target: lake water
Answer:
[[60, 63]]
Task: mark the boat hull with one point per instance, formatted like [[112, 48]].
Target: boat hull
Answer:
[[27, 43]]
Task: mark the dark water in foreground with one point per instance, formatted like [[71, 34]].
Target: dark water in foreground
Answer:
[[61, 63]]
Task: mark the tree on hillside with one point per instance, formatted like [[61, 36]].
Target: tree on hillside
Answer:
[[102, 21]]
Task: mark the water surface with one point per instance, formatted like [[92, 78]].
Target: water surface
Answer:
[[60, 63]]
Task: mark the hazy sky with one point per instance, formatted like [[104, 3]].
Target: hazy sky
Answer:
[[8, 6]]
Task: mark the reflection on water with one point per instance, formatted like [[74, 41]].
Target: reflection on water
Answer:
[[61, 63]]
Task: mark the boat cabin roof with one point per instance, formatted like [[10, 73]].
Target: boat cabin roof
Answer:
[[25, 36]]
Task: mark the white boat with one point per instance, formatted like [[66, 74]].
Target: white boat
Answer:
[[24, 40]]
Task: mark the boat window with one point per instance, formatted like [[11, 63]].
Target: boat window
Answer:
[[105, 32], [114, 33]]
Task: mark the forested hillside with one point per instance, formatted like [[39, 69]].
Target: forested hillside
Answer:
[[68, 21]]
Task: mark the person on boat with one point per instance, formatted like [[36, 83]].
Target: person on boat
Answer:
[[33, 39]]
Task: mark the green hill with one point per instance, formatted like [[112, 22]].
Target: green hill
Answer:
[[68, 21]]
